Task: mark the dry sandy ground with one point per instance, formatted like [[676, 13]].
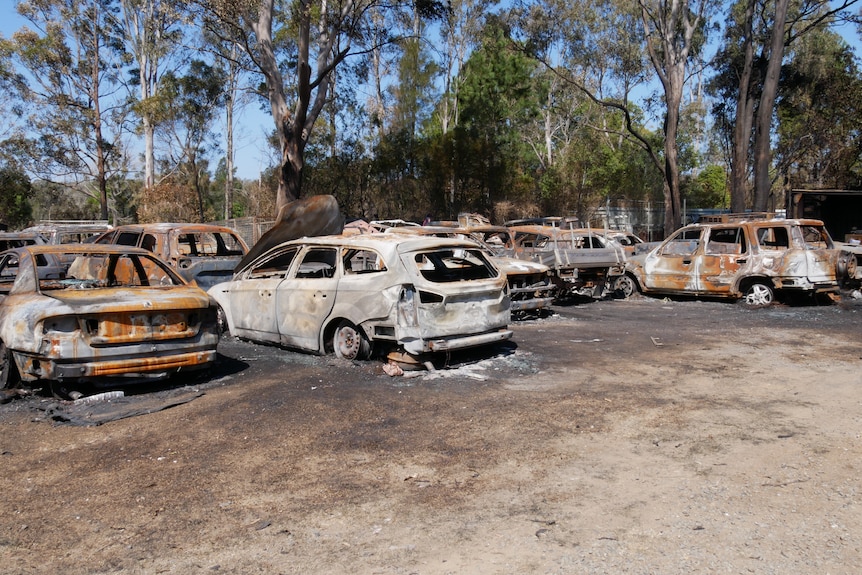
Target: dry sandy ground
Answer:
[[641, 436]]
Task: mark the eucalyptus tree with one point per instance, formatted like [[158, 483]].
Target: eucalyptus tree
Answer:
[[297, 46], [192, 104], [153, 30], [819, 114], [71, 56], [233, 64], [746, 84], [604, 55], [15, 208]]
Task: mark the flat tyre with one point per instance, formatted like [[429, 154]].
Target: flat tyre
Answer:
[[626, 286], [348, 342], [8, 371]]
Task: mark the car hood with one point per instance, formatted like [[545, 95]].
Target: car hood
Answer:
[[314, 216]]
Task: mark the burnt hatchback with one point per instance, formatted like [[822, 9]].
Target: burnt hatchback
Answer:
[[111, 314], [350, 294]]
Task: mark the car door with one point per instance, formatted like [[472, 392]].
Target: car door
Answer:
[[819, 255], [724, 255], [671, 267], [305, 298], [253, 297]]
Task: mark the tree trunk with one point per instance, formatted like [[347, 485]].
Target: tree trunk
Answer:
[[763, 126], [101, 168], [672, 204], [743, 121], [229, 110]]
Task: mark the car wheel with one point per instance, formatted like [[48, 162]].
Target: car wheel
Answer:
[[846, 267], [349, 342], [8, 372], [221, 323], [626, 286], [758, 295]]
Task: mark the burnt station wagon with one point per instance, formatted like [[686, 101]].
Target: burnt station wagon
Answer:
[[350, 295]]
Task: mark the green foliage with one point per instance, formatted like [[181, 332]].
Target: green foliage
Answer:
[[15, 208], [820, 114], [708, 189]]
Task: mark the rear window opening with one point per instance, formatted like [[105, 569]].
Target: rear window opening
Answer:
[[443, 266]]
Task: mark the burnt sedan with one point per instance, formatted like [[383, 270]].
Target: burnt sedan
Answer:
[[99, 314], [348, 294]]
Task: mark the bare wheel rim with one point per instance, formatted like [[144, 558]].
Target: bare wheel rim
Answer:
[[347, 342], [626, 285], [851, 266], [759, 294]]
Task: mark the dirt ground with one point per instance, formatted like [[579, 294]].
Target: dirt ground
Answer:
[[639, 436]]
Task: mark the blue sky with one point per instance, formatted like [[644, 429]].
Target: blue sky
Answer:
[[253, 125]]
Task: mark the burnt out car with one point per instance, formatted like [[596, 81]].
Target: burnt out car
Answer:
[[583, 262], [752, 260], [12, 240], [531, 289], [203, 253], [352, 295], [70, 231], [114, 314]]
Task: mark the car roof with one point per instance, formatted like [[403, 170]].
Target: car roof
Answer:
[[24, 234], [81, 249], [758, 222], [165, 227], [388, 244]]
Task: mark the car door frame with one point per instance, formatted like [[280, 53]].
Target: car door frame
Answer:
[[306, 297]]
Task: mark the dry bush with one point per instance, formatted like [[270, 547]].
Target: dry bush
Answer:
[[508, 210], [168, 202]]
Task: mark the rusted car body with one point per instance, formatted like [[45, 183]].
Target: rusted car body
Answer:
[[583, 262], [203, 253], [531, 289], [70, 231], [749, 259], [346, 294], [112, 313], [12, 240]]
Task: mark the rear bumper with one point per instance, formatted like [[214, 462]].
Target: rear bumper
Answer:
[[449, 344]]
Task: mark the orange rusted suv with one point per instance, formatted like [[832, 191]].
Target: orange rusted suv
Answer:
[[749, 259]]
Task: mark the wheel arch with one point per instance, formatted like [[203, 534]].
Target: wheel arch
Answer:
[[328, 331], [744, 283]]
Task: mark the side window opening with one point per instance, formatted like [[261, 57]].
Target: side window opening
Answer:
[[149, 242], [317, 263], [726, 241], [815, 237], [684, 243], [358, 261], [775, 238], [276, 266], [128, 239]]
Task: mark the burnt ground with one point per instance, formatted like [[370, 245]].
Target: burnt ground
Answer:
[[639, 436]]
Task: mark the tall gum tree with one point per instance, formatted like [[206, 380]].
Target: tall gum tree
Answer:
[[674, 33], [72, 56], [318, 35], [152, 30]]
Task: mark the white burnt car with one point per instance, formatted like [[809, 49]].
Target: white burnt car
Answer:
[[348, 294], [112, 313]]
